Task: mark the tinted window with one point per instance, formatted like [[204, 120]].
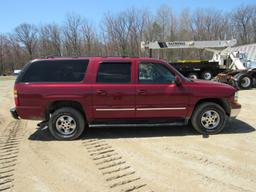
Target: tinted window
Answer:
[[114, 73], [154, 73], [55, 71]]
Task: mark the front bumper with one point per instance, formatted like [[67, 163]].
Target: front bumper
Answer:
[[235, 110], [14, 113]]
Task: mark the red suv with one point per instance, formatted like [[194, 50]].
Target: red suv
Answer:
[[73, 93]]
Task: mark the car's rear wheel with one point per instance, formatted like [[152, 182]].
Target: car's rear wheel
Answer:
[[209, 118], [244, 81], [207, 75], [66, 123]]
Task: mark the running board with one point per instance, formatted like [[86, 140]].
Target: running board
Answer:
[[139, 125]]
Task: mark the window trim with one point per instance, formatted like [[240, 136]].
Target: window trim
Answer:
[[153, 62], [115, 61]]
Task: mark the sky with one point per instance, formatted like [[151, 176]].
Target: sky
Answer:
[[15, 12]]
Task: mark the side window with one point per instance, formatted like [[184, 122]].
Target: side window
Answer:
[[55, 71], [114, 73], [155, 73]]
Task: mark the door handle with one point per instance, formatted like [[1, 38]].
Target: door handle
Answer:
[[117, 96], [101, 92], [142, 92]]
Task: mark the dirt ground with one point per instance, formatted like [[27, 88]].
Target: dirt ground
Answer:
[[159, 159]]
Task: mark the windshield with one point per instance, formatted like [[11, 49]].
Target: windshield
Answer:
[[251, 64]]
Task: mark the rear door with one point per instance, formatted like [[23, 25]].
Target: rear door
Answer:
[[157, 95], [114, 90]]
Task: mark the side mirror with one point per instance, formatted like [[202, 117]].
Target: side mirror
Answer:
[[178, 80]]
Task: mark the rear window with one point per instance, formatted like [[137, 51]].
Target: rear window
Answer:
[[114, 73], [55, 71]]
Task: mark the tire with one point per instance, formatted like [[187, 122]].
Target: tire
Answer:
[[206, 75], [192, 76], [244, 81], [66, 124], [217, 118]]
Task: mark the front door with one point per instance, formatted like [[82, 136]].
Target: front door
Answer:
[[114, 91], [157, 95]]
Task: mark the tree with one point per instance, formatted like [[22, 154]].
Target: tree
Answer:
[[27, 35], [138, 19], [118, 31], [89, 38], [50, 40], [242, 19], [2, 46], [167, 22], [72, 37]]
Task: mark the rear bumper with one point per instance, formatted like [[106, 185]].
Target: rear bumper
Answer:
[[30, 112], [14, 113]]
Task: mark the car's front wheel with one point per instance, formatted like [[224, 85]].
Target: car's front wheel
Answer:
[[209, 118], [66, 123]]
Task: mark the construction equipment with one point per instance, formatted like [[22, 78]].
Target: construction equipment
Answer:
[[240, 66], [188, 44], [228, 62], [192, 69]]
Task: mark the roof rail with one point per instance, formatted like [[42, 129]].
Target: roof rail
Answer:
[[124, 56], [48, 56], [58, 56]]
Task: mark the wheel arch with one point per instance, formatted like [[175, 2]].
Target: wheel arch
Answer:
[[222, 102], [243, 73], [54, 105]]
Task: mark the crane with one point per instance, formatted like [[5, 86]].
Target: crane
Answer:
[[218, 55], [187, 44]]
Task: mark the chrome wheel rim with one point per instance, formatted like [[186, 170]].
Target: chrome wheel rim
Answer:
[[66, 125], [207, 76], [245, 82], [210, 119]]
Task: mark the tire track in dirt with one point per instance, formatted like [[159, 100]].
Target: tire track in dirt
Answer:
[[116, 171], [9, 150], [1, 120], [219, 165], [226, 186]]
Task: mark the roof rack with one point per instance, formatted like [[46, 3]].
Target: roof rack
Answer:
[[58, 56], [124, 56], [50, 56]]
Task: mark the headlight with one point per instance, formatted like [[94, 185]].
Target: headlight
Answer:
[[236, 97]]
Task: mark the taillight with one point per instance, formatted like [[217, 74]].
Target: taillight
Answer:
[[16, 98]]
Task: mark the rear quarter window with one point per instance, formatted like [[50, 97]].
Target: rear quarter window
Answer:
[[55, 71]]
